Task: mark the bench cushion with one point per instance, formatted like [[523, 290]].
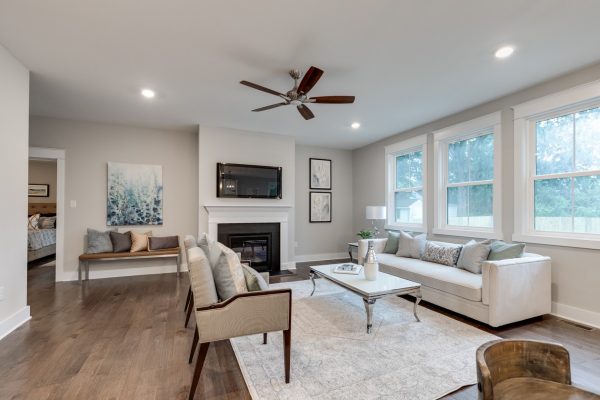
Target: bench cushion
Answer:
[[149, 254], [447, 279]]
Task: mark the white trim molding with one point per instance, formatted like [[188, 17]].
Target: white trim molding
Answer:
[[487, 124], [576, 314], [14, 321], [525, 117], [414, 144], [321, 257]]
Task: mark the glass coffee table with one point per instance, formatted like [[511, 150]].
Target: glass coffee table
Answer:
[[370, 291]]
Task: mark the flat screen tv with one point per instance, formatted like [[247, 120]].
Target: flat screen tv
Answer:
[[248, 181]]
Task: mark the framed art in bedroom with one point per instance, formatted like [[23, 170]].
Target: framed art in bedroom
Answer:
[[320, 173], [319, 207], [38, 190]]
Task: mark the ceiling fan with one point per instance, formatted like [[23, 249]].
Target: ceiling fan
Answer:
[[297, 96]]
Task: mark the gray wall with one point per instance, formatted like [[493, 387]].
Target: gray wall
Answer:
[[316, 241], [89, 146], [14, 116], [575, 272], [43, 172]]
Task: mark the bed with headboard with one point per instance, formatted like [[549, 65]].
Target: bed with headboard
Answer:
[[41, 230]]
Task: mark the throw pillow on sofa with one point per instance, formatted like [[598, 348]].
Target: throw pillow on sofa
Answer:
[[411, 247], [442, 253], [254, 281], [391, 246], [162, 242], [139, 241], [121, 242], [504, 251], [473, 254], [229, 275], [98, 242]]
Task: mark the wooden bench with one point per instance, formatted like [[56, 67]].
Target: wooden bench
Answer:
[[84, 259]]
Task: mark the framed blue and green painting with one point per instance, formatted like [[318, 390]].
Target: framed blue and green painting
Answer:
[[135, 194]]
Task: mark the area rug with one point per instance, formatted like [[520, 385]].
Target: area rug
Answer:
[[334, 358]]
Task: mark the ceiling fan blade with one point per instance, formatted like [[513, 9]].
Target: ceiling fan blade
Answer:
[[305, 112], [333, 99], [271, 106], [310, 79], [262, 88]]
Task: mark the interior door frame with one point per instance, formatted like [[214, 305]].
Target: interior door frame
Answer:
[[44, 153]]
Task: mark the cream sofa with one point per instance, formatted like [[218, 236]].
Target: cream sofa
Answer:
[[507, 291]]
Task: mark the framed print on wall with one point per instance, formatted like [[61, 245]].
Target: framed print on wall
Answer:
[[320, 173], [319, 207], [38, 190]]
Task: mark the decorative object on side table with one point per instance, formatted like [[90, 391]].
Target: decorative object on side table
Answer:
[[371, 264], [320, 174], [375, 213], [320, 207], [38, 190], [135, 194], [365, 234]]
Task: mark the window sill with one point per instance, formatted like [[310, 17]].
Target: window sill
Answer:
[[406, 228], [468, 233], [557, 241]]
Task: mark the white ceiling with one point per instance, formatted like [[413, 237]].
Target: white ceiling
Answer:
[[407, 61]]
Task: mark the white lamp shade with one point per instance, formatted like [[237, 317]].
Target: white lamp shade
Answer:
[[376, 212]]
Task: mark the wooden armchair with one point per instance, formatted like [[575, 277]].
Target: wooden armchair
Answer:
[[241, 315], [525, 369]]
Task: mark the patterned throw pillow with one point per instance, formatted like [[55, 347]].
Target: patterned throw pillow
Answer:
[[33, 221], [445, 254]]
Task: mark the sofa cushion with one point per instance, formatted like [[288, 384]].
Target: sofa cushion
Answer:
[[229, 275], [254, 280], [409, 246], [201, 278], [391, 245], [503, 251], [473, 254], [451, 280], [442, 253]]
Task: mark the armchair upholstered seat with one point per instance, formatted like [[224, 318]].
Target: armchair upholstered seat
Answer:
[[243, 314], [526, 369]]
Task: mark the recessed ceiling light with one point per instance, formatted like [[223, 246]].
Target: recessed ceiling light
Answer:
[[148, 93], [355, 125], [504, 52]]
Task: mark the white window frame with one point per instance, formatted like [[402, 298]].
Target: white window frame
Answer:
[[417, 143], [525, 117], [488, 124]]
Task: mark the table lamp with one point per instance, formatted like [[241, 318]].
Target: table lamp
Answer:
[[376, 213]]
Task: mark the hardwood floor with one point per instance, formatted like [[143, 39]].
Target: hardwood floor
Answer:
[[123, 338]]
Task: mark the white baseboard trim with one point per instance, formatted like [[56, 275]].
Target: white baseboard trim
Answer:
[[288, 265], [576, 314], [14, 321], [321, 257], [102, 271]]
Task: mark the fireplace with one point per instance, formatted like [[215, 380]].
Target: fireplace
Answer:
[[258, 243]]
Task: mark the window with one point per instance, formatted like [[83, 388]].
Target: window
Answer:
[[558, 169], [466, 174], [406, 166]]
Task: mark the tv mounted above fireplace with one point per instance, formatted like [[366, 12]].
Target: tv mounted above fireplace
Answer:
[[248, 181]]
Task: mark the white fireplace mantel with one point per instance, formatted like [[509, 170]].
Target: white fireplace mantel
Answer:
[[240, 214]]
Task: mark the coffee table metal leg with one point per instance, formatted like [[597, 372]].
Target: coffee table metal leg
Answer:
[[418, 298], [312, 279], [369, 305]]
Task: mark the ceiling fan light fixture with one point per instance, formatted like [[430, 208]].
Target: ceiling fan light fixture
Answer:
[[355, 125]]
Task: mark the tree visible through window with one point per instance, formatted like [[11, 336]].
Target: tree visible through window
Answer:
[[567, 173], [470, 190], [408, 191]]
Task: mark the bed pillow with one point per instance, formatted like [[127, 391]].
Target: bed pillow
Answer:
[[411, 247], [162, 242], [503, 251], [139, 241], [473, 254], [33, 221], [391, 246], [442, 253], [98, 242], [229, 275], [121, 242], [47, 223]]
